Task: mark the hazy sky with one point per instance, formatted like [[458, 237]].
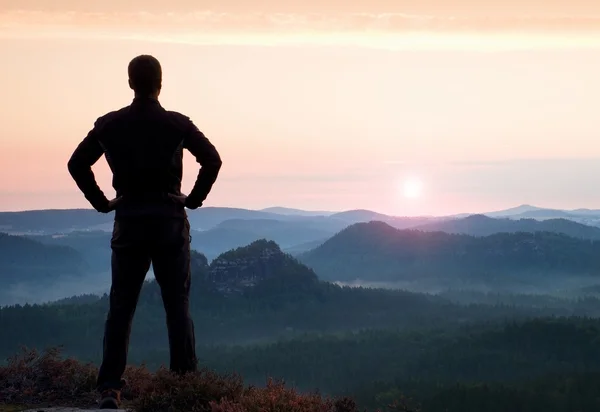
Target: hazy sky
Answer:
[[319, 104]]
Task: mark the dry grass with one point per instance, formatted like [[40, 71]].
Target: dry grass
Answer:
[[33, 379]]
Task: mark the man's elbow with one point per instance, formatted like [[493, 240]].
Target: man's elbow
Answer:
[[218, 163], [74, 167], [215, 164]]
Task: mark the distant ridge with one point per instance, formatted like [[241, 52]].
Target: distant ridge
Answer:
[[529, 211], [514, 211], [482, 225], [50, 221], [205, 218], [291, 211]]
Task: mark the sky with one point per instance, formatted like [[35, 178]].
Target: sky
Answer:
[[409, 107]]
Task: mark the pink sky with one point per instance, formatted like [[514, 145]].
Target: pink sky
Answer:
[[489, 104]]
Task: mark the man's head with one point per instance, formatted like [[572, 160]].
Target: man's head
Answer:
[[145, 76]]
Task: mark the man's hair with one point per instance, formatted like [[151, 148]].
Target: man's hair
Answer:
[[145, 74]]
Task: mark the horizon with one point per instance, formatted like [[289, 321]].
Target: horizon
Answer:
[[270, 209], [429, 108]]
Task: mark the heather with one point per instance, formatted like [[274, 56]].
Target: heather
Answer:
[[44, 379]]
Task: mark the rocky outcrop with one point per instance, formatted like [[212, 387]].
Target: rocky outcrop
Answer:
[[246, 267]]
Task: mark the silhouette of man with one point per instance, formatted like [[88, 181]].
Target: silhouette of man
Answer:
[[143, 144]]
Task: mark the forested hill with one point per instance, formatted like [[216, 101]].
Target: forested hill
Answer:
[[260, 312], [26, 260], [376, 251], [249, 294], [481, 225]]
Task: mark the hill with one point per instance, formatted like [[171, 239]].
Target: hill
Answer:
[[52, 221], [587, 216], [23, 259], [249, 294], [400, 222], [290, 232], [304, 247], [360, 215], [437, 261], [513, 211], [481, 225], [234, 233], [27, 266], [94, 248], [260, 266], [297, 234], [49, 222], [298, 212], [208, 217], [92, 245], [67, 220]]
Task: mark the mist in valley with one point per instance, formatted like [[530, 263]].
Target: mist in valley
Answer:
[[62, 287], [466, 292]]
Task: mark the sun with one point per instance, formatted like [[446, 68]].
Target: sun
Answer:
[[412, 188]]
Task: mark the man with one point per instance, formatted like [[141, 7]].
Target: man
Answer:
[[143, 144]]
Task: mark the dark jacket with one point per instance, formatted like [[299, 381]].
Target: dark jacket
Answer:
[[143, 144]]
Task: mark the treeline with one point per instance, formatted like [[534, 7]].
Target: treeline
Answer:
[[510, 366], [545, 365], [268, 311]]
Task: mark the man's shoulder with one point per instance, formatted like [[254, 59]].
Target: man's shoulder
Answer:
[[178, 117], [116, 117], [111, 116], [181, 121]]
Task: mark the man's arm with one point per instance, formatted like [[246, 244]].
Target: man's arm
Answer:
[[210, 164], [80, 165]]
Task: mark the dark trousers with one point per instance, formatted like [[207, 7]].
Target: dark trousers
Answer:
[[136, 243]]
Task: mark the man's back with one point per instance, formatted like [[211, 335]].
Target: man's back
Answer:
[[143, 144]]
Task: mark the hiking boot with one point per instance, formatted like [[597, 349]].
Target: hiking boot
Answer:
[[110, 399]]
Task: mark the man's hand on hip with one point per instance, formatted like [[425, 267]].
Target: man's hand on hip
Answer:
[[111, 205], [185, 201], [178, 198]]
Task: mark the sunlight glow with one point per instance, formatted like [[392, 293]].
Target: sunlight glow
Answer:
[[412, 188]]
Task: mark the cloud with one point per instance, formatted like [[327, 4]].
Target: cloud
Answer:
[[387, 30], [528, 162], [297, 22]]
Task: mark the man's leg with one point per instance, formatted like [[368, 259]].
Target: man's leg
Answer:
[[171, 262], [130, 264]]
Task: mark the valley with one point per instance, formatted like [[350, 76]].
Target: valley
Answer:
[[428, 308]]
